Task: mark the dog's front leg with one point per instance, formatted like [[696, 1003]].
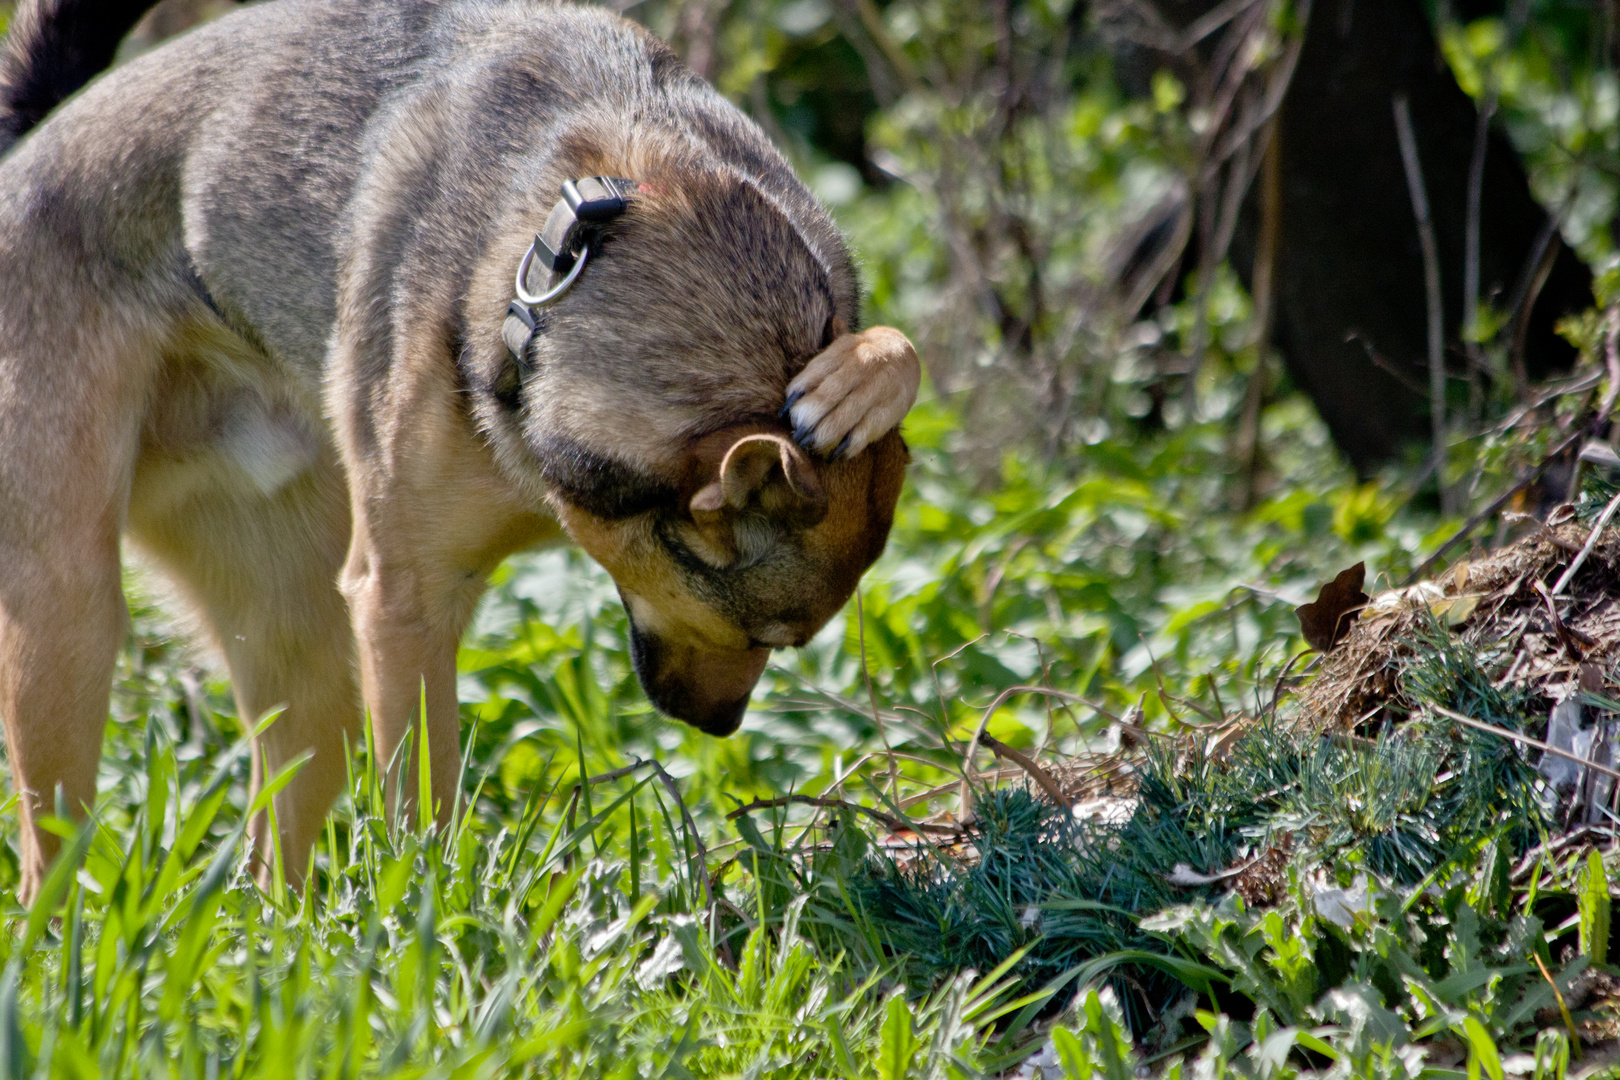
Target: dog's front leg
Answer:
[[406, 631], [432, 518], [854, 391]]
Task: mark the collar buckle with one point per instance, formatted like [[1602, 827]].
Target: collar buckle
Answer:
[[562, 247]]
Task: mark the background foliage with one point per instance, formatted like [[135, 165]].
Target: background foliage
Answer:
[[1116, 499]]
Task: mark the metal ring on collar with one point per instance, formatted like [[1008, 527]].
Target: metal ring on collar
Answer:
[[556, 290]]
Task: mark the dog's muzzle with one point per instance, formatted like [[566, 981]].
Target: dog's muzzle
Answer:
[[704, 688]]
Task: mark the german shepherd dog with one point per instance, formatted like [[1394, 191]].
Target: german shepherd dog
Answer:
[[330, 305]]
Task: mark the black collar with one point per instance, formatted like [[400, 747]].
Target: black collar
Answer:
[[562, 247]]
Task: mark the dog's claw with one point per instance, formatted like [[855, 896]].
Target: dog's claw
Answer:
[[854, 391]]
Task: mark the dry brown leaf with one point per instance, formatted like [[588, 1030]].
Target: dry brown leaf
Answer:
[[1337, 606]]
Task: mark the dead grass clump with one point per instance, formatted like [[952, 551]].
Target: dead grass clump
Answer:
[[1529, 637]]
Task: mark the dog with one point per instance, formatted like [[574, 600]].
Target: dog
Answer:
[[328, 306]]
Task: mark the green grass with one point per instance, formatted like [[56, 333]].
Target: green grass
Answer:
[[627, 927], [536, 945], [630, 927], [633, 928]]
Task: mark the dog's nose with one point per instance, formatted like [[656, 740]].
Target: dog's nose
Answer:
[[719, 721], [706, 688]]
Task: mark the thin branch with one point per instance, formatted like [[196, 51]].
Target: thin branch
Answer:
[[1557, 390], [691, 827], [1385, 365], [1554, 846], [877, 718], [1537, 267], [872, 20], [1431, 287], [1529, 477], [1521, 738], [1213, 20], [1282, 76], [1558, 995], [1246, 441], [894, 823], [1611, 360], [965, 795], [1591, 542], [1573, 641], [1027, 763], [1476, 184]]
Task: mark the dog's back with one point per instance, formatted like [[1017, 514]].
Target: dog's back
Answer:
[[266, 119]]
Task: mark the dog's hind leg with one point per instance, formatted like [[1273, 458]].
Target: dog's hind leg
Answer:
[[68, 421], [252, 526], [61, 621]]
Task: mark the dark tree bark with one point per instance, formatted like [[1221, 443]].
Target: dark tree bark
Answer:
[[1349, 269]]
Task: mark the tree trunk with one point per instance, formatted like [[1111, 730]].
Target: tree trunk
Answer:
[[1349, 281]]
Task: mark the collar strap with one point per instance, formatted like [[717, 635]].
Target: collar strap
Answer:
[[561, 247]]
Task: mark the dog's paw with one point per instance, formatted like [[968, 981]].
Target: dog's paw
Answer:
[[854, 392]]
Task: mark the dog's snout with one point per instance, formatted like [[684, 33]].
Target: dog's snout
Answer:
[[708, 689]]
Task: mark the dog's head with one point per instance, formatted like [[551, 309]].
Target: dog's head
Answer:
[[761, 548], [646, 411]]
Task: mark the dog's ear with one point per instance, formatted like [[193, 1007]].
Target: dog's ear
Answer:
[[749, 463], [763, 471]]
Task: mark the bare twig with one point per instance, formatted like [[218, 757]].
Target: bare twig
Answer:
[[877, 718], [1471, 325], [1282, 75], [1381, 362], [691, 827], [1476, 184], [894, 823], [1515, 736], [1558, 844], [1211, 21], [1431, 288], [674, 793], [1563, 1008], [824, 697], [1611, 361], [1537, 272], [1591, 542], [1525, 480], [1564, 387], [1246, 443], [872, 21], [1572, 640], [1025, 762], [965, 795]]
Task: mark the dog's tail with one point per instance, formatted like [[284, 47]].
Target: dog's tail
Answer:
[[53, 48]]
